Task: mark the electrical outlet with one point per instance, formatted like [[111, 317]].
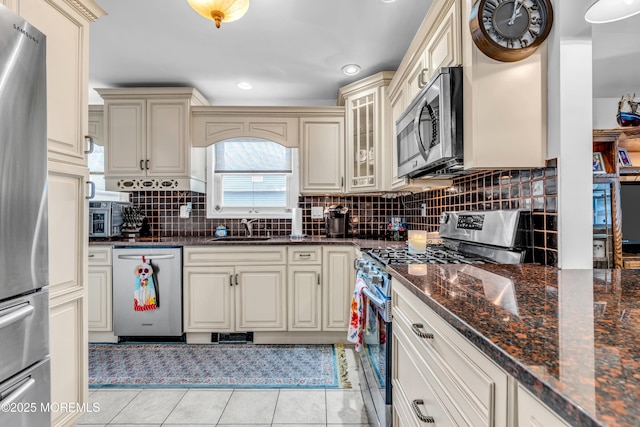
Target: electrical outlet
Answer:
[[423, 210], [317, 212]]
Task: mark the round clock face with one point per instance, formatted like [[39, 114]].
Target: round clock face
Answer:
[[510, 30]]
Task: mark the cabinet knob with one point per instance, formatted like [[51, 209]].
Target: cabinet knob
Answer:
[[91, 144], [92, 192]]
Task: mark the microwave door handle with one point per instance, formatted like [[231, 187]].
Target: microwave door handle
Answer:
[[416, 125]]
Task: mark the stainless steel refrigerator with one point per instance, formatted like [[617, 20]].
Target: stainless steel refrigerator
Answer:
[[24, 303]]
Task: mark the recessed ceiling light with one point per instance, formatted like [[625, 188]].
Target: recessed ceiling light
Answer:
[[387, 1], [351, 69], [244, 85]]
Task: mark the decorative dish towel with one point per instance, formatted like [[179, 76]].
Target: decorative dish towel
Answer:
[[144, 291], [357, 323]]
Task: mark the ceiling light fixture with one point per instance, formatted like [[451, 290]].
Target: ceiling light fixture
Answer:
[[603, 11], [220, 10], [387, 1], [244, 85], [351, 69]]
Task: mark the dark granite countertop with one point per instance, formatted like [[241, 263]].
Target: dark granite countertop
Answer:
[[571, 337], [208, 240]]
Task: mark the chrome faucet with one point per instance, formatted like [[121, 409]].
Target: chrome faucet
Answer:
[[248, 224]]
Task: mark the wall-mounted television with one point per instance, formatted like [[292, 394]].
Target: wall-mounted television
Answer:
[[630, 204]]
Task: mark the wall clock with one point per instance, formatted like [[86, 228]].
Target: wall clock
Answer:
[[510, 30]]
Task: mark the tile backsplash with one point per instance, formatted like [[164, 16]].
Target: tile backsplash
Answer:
[[534, 189]]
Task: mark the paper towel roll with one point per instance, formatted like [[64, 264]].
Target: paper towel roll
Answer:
[[296, 222]]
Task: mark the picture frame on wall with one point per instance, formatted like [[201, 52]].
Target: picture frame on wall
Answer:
[[598, 163], [623, 158]]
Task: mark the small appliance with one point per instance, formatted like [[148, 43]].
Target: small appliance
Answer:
[[25, 369], [106, 218], [429, 132], [336, 219]]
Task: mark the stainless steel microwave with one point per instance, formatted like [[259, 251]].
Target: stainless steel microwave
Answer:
[[429, 132], [105, 218]]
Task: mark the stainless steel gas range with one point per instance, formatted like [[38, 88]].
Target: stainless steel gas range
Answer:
[[499, 237]]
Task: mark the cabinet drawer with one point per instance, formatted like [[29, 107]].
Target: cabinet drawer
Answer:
[[99, 255], [236, 255], [473, 381], [416, 391], [532, 412], [305, 255]]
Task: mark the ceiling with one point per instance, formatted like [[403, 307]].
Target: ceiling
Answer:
[[616, 58], [291, 51]]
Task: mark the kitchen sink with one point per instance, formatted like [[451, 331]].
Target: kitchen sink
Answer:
[[240, 239]]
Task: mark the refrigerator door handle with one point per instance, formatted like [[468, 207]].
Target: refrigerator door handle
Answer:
[[16, 315], [19, 392], [138, 257]]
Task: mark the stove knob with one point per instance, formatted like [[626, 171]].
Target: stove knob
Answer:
[[376, 279], [366, 269], [359, 264]]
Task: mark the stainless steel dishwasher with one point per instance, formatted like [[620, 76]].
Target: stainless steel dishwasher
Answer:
[[164, 316]]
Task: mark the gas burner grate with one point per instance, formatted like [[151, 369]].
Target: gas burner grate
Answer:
[[435, 254]]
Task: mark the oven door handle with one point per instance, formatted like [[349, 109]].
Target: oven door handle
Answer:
[[374, 299]]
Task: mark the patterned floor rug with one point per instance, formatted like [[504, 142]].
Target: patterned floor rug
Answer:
[[217, 366]]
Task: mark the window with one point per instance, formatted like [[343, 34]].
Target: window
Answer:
[[251, 177], [96, 175]]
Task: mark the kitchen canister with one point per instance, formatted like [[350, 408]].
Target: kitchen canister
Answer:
[[221, 231]]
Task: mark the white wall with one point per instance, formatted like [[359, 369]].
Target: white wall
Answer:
[[570, 132], [604, 113]]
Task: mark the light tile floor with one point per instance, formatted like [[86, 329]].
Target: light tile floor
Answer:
[[230, 407]]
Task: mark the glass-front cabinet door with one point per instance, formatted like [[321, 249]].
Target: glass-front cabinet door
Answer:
[[362, 132], [368, 133]]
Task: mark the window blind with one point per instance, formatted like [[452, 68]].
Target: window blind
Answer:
[[252, 156]]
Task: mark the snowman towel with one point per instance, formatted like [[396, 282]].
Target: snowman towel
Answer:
[[144, 291]]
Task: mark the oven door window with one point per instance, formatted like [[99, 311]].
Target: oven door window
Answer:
[[376, 338]]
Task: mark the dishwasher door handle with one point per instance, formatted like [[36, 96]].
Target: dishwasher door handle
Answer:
[[137, 257]]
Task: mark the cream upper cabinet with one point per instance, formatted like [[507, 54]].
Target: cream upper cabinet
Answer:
[[96, 124], [215, 124], [338, 280], [367, 112], [148, 139], [322, 154]]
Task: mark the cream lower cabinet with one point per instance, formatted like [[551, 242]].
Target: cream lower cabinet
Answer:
[[533, 413], [240, 288], [99, 289], [338, 280], [442, 376], [209, 299], [304, 288]]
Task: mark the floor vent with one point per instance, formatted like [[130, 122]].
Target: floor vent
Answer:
[[235, 338]]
